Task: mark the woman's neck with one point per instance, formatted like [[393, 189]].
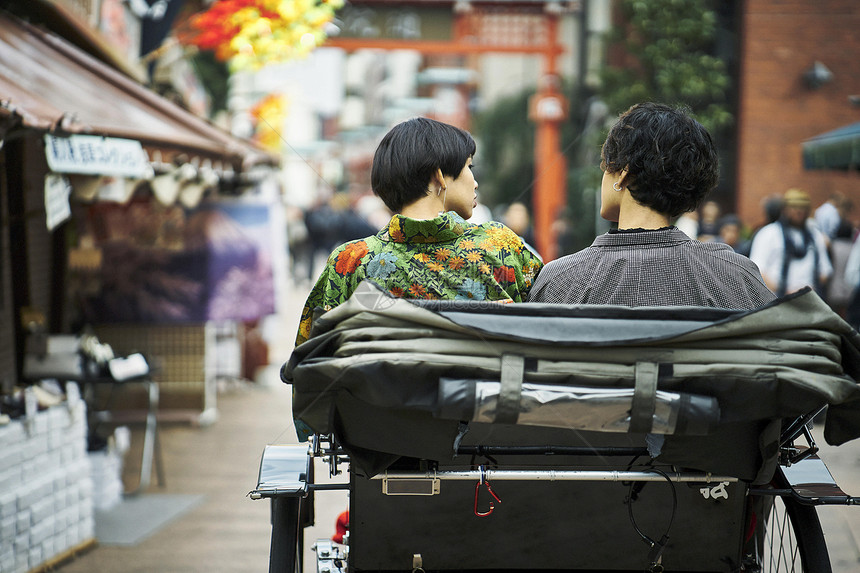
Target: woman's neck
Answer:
[[427, 207]]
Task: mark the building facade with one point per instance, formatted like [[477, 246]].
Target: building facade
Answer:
[[799, 77]]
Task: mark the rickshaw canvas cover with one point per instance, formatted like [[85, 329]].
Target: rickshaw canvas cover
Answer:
[[389, 354]]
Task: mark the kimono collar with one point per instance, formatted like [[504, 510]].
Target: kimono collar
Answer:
[[644, 238], [446, 227]]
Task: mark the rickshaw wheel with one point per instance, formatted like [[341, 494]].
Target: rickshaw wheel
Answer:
[[287, 535], [789, 538]]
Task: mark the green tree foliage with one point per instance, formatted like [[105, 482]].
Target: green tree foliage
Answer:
[[505, 157], [215, 77], [670, 46]]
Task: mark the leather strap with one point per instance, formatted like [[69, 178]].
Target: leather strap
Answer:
[[511, 388], [644, 397]]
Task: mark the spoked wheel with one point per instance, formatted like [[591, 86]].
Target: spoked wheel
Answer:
[[788, 538]]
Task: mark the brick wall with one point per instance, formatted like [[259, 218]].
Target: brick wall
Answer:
[[780, 40], [46, 489]]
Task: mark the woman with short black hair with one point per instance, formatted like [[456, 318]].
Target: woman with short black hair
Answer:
[[422, 170], [415, 152]]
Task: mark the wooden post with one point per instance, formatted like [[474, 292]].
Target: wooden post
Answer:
[[548, 109]]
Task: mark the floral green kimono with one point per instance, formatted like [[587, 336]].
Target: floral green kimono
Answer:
[[441, 258]]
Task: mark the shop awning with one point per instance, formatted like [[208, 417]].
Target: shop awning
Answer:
[[837, 149], [46, 84]]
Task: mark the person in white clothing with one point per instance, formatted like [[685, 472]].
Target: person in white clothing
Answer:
[[828, 216], [852, 280], [792, 252]]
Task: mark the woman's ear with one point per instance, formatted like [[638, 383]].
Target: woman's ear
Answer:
[[437, 181]]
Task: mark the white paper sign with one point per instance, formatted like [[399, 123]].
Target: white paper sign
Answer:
[[96, 155], [57, 209]]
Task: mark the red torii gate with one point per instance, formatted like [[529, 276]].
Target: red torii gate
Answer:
[[488, 26]]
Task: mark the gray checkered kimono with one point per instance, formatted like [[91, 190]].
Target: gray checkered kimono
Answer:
[[653, 268]]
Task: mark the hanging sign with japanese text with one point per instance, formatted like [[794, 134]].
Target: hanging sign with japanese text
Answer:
[[96, 155], [57, 208]]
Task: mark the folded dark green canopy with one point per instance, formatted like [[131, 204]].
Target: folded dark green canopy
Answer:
[[378, 370], [838, 149]]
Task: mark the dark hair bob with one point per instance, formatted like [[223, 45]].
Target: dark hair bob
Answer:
[[669, 156], [409, 155]]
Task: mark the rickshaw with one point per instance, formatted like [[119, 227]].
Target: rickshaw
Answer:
[[535, 437]]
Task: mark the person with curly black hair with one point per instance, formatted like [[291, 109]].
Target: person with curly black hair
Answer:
[[658, 162]]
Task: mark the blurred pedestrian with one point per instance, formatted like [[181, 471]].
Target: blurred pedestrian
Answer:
[[320, 224], [846, 228], [331, 223], [709, 221], [373, 210], [298, 244], [792, 252], [839, 291], [771, 207], [828, 216], [730, 232], [481, 214], [688, 223], [518, 219], [348, 223], [852, 281]]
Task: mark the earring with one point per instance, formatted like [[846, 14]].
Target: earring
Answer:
[[616, 186]]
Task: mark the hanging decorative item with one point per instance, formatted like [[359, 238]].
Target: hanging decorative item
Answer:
[[268, 115], [249, 34]]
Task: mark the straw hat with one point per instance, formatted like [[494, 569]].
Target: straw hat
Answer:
[[796, 198]]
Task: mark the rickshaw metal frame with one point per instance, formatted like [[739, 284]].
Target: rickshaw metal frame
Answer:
[[286, 483], [351, 359]]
